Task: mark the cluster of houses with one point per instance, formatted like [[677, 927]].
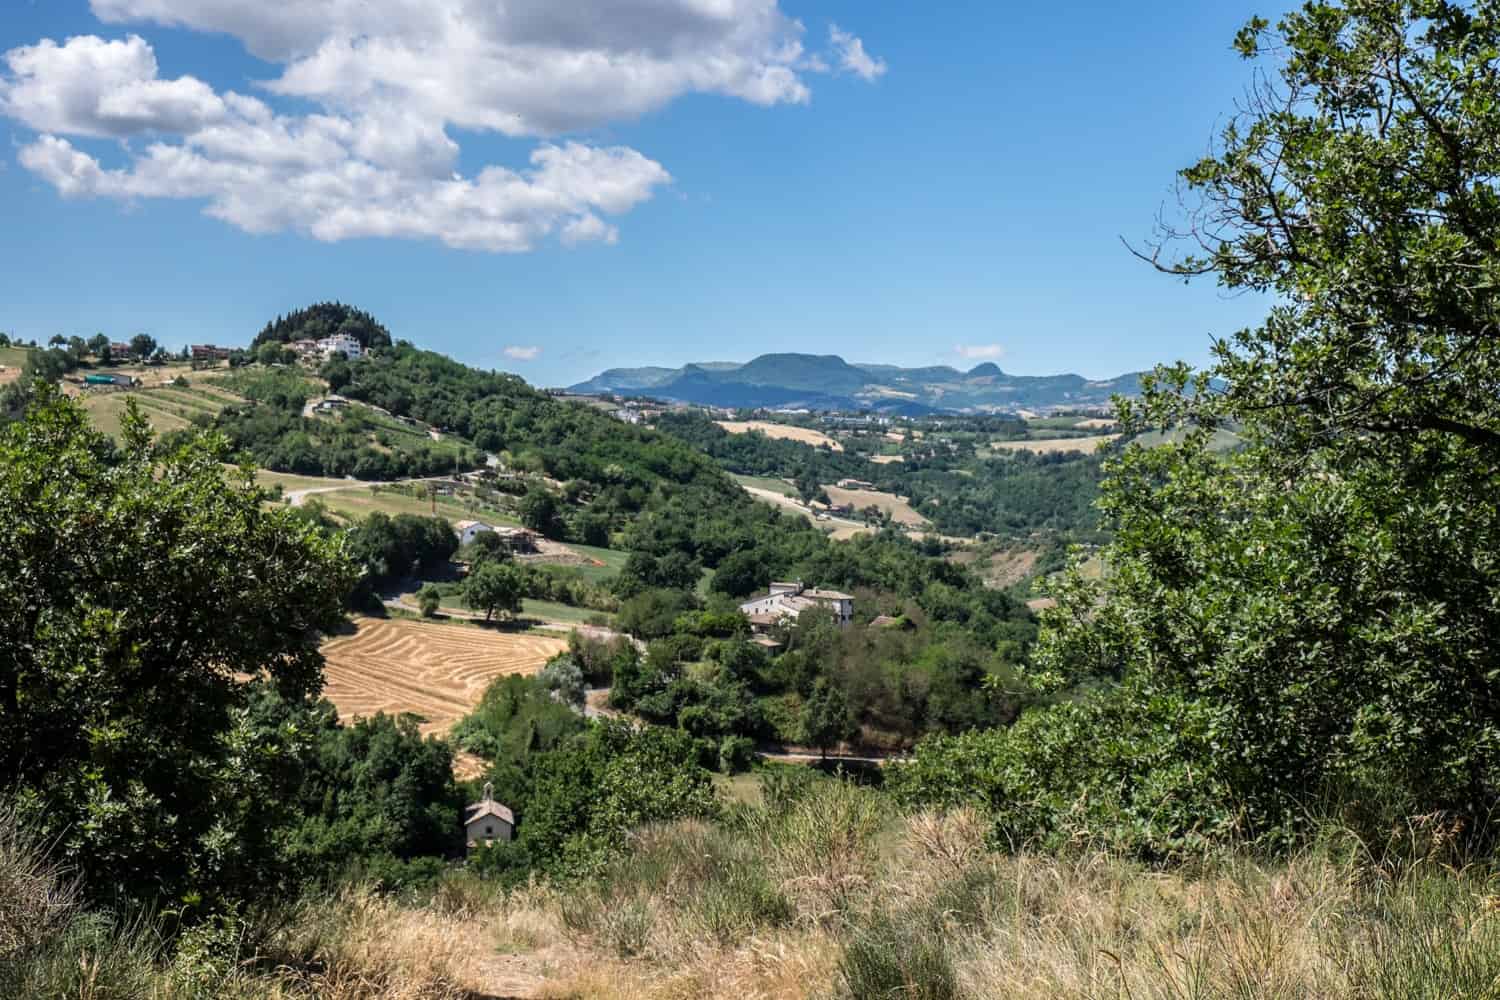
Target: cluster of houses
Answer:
[[786, 601]]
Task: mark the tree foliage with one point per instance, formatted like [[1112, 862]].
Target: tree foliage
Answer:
[[1312, 620], [136, 585]]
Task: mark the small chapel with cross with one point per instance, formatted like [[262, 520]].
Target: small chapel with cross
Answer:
[[488, 821]]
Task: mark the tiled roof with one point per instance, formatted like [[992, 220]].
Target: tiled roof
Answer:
[[478, 810]]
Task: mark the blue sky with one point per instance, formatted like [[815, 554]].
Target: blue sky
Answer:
[[680, 180]]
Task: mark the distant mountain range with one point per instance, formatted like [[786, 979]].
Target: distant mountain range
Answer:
[[828, 382]]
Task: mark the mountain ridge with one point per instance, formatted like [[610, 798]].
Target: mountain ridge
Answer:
[[828, 382]]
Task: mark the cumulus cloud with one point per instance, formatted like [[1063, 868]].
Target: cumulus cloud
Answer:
[[516, 353], [980, 352], [852, 55], [387, 79]]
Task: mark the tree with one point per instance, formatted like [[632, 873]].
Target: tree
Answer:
[[142, 345], [271, 353], [99, 346], [138, 586], [564, 678], [826, 719], [494, 586], [428, 598], [1321, 604], [539, 512]]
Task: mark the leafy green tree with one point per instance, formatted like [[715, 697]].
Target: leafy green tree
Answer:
[[564, 678], [429, 599], [99, 346], [495, 586], [142, 345], [826, 720], [270, 353], [586, 796], [137, 587], [1322, 603], [539, 512]]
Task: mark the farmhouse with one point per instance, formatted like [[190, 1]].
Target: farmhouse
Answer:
[[467, 531], [488, 821], [788, 600], [855, 484], [118, 349], [209, 352]]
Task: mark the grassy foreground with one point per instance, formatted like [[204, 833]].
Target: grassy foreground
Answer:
[[817, 893]]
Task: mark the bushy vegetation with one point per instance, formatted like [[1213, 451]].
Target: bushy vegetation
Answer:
[[271, 431], [1306, 627], [325, 319]]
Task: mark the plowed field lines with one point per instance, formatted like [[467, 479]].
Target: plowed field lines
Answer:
[[436, 671]]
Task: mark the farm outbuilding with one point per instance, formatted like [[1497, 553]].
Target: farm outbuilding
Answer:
[[488, 821]]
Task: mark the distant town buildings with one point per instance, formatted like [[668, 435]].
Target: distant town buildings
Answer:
[[209, 352]]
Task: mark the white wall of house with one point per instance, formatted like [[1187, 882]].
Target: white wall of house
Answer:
[[488, 828]]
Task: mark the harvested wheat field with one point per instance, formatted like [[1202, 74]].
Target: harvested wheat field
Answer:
[[437, 671], [773, 430], [900, 511], [1048, 446]]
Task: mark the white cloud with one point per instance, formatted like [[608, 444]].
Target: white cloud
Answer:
[[516, 353], [329, 176], [96, 88], [980, 352], [387, 79], [852, 55]]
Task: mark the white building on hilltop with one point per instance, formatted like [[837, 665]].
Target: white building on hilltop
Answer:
[[788, 600], [340, 343]]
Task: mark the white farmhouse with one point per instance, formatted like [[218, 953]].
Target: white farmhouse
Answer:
[[488, 821], [467, 531], [788, 600]]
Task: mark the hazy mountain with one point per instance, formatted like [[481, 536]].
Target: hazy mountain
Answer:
[[826, 381]]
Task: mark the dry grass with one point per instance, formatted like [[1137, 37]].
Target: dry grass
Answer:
[[1049, 446], [920, 908], [437, 671], [901, 512], [775, 430], [821, 892], [108, 409]]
